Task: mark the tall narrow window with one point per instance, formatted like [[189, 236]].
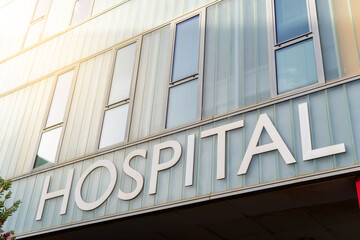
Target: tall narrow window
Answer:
[[50, 138], [82, 10], [184, 99], [298, 60], [114, 129], [37, 23]]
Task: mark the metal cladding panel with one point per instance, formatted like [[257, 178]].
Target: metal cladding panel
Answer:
[[333, 115], [339, 24], [105, 30], [127, 19], [22, 113], [236, 70], [151, 86], [100, 6], [12, 35], [58, 17], [87, 107], [236, 75], [352, 98]]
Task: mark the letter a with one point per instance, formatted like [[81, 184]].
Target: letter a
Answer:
[[277, 144]]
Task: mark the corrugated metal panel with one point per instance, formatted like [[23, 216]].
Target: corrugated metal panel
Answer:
[[100, 6], [333, 117], [354, 5], [222, 70], [58, 17], [236, 75], [236, 63], [14, 26], [346, 38], [352, 98], [339, 25], [254, 48], [92, 37], [22, 117], [87, 108], [151, 87]]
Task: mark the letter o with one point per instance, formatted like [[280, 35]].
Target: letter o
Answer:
[[113, 175]]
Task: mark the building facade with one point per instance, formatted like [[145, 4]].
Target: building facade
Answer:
[[116, 109]]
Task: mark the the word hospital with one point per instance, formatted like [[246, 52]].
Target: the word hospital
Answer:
[[253, 148]]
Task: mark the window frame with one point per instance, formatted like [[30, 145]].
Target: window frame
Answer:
[[35, 21], [274, 46], [200, 73], [129, 100], [73, 11], [60, 124]]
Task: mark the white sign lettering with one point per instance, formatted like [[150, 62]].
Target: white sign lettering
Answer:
[[306, 145], [221, 144], [113, 175], [63, 192], [134, 174], [156, 166], [263, 123]]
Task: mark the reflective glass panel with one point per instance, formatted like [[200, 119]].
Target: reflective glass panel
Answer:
[[123, 71], [81, 10], [295, 66], [41, 8], [182, 107], [291, 19], [114, 126], [186, 49], [48, 147], [33, 35], [59, 101]]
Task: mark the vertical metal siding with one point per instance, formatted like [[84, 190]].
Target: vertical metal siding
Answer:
[[151, 87], [58, 17], [346, 37], [102, 5], [339, 25], [354, 6], [329, 47], [236, 62], [131, 16], [330, 125], [262, 54], [236, 75], [23, 118], [87, 108], [352, 96], [14, 26]]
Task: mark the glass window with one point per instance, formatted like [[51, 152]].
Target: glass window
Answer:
[[59, 101], [123, 72], [50, 138], [34, 33], [186, 49], [41, 9], [37, 23], [81, 11], [291, 19], [116, 112], [297, 53], [182, 103], [48, 147], [183, 99], [295, 66], [114, 126]]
